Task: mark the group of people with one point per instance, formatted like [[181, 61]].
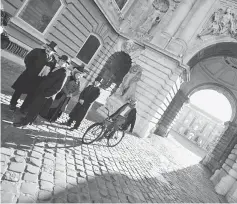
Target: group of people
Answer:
[[49, 84]]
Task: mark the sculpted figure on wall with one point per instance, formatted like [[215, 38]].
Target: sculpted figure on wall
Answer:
[[222, 22], [144, 17], [127, 88]]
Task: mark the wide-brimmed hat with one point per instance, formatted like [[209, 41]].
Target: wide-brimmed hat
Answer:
[[65, 58], [52, 45]]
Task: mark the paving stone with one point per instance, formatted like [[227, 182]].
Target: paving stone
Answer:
[[47, 177], [6, 151], [59, 200], [21, 153], [36, 154], [45, 195], [48, 168], [4, 167], [60, 167], [12, 176], [84, 198], [17, 167], [38, 149], [48, 162], [19, 159], [44, 185], [7, 197], [58, 190], [72, 180], [71, 173], [5, 158], [49, 156], [31, 177], [25, 199], [32, 169], [29, 188], [60, 182], [36, 162], [8, 186]]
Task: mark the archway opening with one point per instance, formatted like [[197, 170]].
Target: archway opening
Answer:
[[114, 70], [201, 121]]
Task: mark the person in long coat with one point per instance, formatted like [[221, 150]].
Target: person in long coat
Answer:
[[47, 90], [36, 61], [86, 98], [70, 89]]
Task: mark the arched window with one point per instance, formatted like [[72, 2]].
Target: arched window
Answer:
[[89, 49], [39, 13]]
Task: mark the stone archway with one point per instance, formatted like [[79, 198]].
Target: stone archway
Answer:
[[220, 152], [115, 68]]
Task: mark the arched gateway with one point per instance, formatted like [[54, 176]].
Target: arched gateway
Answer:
[[213, 67]]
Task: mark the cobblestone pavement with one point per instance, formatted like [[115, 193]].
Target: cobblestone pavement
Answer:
[[46, 163]]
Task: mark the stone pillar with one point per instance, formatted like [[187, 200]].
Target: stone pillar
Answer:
[[178, 17], [179, 44], [165, 123], [225, 178], [215, 158]]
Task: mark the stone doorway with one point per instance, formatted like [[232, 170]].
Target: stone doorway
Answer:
[[114, 70]]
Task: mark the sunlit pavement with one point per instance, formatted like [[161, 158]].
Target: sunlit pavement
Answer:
[[47, 163]]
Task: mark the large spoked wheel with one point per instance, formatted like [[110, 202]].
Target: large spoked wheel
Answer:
[[115, 137], [92, 133]]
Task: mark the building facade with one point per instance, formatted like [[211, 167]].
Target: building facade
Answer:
[[199, 127], [171, 40]]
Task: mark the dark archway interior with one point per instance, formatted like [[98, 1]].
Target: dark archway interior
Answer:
[[115, 68], [228, 49]]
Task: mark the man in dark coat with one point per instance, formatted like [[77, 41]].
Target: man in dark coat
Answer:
[[86, 98], [47, 90], [128, 112], [27, 83]]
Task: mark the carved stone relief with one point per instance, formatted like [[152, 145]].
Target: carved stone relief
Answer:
[[129, 46], [222, 22], [146, 15]]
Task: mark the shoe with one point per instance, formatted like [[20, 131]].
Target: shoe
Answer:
[[12, 107], [22, 123]]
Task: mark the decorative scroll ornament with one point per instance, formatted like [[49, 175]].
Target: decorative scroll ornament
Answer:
[[222, 22], [129, 46]]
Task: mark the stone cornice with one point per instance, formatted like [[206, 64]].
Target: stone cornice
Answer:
[[146, 45]]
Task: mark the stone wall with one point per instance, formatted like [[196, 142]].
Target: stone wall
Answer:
[[225, 179]]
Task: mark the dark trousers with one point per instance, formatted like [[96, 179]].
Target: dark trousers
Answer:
[[35, 108], [28, 101], [16, 95]]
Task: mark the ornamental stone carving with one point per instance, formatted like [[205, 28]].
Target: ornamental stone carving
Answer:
[[144, 17], [222, 22], [129, 46]]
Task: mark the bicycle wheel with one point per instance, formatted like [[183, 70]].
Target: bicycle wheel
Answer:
[[92, 133], [115, 138]]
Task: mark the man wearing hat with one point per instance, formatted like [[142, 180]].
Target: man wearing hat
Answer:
[[27, 83], [70, 89], [86, 98], [50, 86]]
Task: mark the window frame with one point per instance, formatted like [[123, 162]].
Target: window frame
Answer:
[[78, 61], [30, 29]]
